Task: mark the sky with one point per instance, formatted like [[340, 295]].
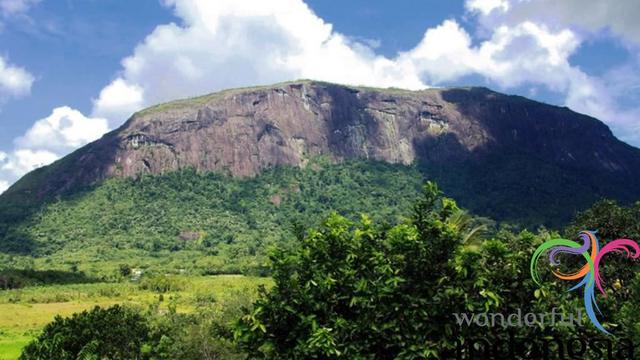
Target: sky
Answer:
[[71, 70]]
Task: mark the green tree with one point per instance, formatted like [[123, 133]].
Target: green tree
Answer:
[[113, 333], [620, 275], [360, 291], [357, 291]]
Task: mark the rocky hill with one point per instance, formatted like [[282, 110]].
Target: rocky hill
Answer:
[[507, 150]]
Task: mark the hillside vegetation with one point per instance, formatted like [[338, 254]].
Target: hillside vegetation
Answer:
[[202, 222], [210, 223]]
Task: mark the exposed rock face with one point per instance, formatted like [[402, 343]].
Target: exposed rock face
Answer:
[[244, 131]]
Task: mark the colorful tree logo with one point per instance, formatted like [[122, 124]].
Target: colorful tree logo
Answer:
[[589, 275]]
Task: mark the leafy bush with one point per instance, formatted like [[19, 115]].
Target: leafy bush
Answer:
[[360, 291], [113, 333], [203, 334], [352, 290]]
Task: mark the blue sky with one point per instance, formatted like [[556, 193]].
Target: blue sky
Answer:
[[71, 70]]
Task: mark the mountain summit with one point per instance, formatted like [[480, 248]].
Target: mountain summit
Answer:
[[508, 151]]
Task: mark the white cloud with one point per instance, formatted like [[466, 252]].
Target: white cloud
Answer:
[[513, 56], [118, 100], [486, 7], [14, 81], [65, 129], [4, 185], [22, 161], [620, 16]]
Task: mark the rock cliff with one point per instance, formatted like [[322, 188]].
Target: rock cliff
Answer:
[[243, 131]]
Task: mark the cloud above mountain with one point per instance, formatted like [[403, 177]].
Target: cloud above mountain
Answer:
[[604, 96], [619, 17], [61, 132], [15, 81], [226, 44]]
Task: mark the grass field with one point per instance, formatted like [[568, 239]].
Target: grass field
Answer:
[[24, 312], [11, 345]]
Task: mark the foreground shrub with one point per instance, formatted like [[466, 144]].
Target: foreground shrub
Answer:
[[113, 333], [357, 291], [361, 291]]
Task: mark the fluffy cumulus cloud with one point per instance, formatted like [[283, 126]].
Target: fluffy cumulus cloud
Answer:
[[47, 140], [14, 81], [527, 53], [65, 129], [118, 100]]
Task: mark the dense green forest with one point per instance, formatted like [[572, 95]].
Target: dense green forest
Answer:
[[213, 223], [371, 289], [225, 224]]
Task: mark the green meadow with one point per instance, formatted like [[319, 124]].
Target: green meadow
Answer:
[[24, 312]]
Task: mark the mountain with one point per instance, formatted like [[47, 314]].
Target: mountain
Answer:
[[501, 156]]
